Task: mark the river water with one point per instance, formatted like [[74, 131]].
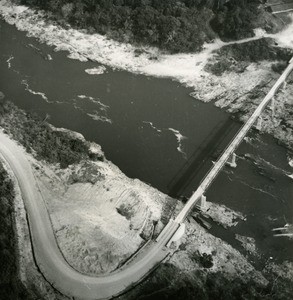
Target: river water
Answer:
[[153, 130]]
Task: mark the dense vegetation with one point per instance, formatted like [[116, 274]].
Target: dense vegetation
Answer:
[[254, 51], [41, 139], [174, 25], [237, 19], [236, 57], [10, 284], [168, 282]]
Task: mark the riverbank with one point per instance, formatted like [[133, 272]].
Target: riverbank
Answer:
[[230, 91]]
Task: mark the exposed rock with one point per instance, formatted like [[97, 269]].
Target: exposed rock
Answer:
[[223, 215], [70, 133], [248, 243]]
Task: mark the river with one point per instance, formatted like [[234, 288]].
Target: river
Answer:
[[153, 130]]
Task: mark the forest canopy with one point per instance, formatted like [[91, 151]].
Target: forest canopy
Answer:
[[172, 25]]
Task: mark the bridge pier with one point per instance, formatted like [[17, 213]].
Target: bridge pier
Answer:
[[259, 123], [201, 203], [231, 162], [272, 106]]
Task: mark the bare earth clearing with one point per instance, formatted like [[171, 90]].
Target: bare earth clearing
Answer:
[[98, 214]]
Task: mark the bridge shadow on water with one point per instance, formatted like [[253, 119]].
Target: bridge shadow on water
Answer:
[[201, 159]]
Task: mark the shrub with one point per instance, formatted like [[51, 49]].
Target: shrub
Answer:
[[40, 138]]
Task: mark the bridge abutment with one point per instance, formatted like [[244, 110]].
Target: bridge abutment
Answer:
[[178, 234], [272, 106]]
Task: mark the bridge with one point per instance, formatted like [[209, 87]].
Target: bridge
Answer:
[[227, 157]]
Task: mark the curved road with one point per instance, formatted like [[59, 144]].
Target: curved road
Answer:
[[48, 256]]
